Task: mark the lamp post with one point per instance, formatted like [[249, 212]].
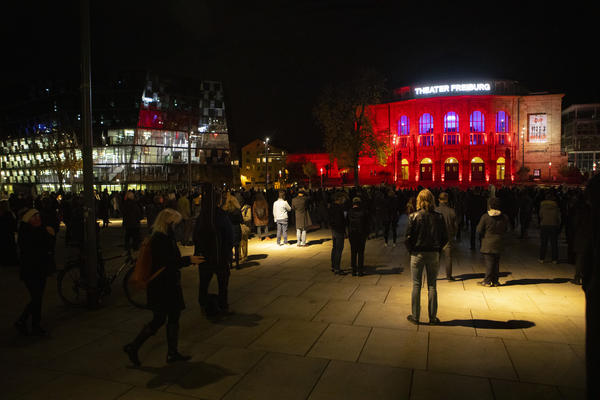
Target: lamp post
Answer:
[[266, 163], [395, 161], [523, 145], [550, 170], [321, 178]]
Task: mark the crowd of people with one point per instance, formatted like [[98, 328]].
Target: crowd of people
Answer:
[[220, 223]]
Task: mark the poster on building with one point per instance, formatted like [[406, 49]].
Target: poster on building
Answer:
[[538, 128]]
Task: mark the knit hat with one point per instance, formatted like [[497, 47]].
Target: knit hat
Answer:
[[29, 214]]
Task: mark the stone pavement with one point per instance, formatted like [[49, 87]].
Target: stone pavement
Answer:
[[301, 332]]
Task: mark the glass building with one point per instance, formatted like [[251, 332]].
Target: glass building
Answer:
[[149, 132]]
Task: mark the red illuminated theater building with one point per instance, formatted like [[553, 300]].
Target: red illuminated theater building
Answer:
[[460, 134]]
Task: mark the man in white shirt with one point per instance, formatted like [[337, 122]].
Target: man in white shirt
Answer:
[[280, 215]]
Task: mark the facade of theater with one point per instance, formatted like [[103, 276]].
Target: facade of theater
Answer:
[[460, 134]]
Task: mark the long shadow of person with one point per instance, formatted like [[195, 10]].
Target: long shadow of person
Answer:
[[187, 375], [465, 277], [381, 270], [533, 281], [489, 324]]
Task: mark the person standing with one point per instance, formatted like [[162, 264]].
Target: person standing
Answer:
[[358, 231], [492, 229], [234, 213], [8, 228], [303, 221], [390, 218], [132, 215], [213, 239], [337, 219], [165, 295], [260, 213], [280, 215], [451, 227], [426, 236], [36, 245], [549, 214]]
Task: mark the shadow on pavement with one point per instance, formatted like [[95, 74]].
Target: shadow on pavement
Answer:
[[197, 374], [533, 281], [465, 277], [375, 270], [255, 257], [489, 324], [320, 241], [247, 320]]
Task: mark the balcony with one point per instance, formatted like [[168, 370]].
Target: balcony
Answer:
[[451, 139], [476, 139], [425, 140]]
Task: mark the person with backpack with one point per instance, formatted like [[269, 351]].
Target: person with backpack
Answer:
[[260, 212], [164, 292], [280, 215], [492, 228], [358, 231]]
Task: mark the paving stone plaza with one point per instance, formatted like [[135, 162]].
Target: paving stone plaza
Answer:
[[300, 332]]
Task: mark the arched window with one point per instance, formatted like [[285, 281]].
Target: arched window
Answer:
[[451, 122], [502, 122], [403, 125], [426, 124], [477, 122]]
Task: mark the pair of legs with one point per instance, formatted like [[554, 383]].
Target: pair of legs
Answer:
[[244, 248], [301, 236], [336, 251], [205, 274], [33, 309], [150, 329], [430, 262], [132, 239], [357, 252], [261, 231], [282, 227], [447, 257], [549, 234], [390, 224], [492, 268]]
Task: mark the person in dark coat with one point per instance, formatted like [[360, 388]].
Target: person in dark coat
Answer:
[[153, 209], [475, 209], [213, 239], [449, 216], [390, 217], [35, 248], [426, 236], [492, 228], [303, 221], [8, 228], [358, 231], [337, 220], [234, 213], [165, 296], [132, 215]]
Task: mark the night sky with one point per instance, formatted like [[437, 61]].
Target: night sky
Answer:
[[274, 59]]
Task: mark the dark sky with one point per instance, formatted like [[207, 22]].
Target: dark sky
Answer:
[[275, 57]]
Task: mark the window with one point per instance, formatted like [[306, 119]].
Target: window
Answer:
[[477, 122], [451, 122], [502, 122], [426, 123], [476, 139], [403, 125]]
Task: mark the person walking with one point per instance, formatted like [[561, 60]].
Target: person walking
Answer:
[[358, 231], [549, 214], [426, 236], [280, 215], [303, 221], [492, 228], [337, 219], [36, 245], [165, 296], [449, 216], [260, 213]]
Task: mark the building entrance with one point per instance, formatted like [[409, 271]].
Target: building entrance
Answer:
[[451, 169], [477, 169], [426, 170]]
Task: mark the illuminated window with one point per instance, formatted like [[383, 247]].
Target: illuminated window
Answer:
[[451, 122], [502, 122], [403, 125], [477, 122], [426, 123]]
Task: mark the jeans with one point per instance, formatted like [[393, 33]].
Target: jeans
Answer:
[[205, 275], [430, 262], [447, 257], [282, 225], [549, 233], [261, 230], [301, 236], [492, 267], [357, 251], [336, 251]]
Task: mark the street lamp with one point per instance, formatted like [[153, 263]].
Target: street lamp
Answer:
[[321, 177], [523, 144], [266, 163], [550, 170]]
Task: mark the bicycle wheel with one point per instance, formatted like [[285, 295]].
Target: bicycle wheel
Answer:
[[134, 294], [71, 286]]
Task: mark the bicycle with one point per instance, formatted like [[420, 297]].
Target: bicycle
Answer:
[[72, 283]]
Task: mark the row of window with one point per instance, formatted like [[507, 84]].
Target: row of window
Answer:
[[451, 125], [475, 139]]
